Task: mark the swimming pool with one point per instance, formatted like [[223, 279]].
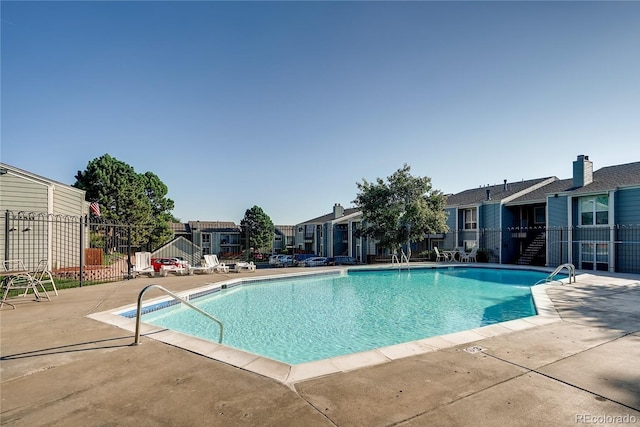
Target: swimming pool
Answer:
[[303, 319]]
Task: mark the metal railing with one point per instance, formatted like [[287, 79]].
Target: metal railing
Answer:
[[177, 298], [571, 271]]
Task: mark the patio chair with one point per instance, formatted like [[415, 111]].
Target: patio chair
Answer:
[[214, 263], [469, 257], [20, 281], [143, 264], [243, 266], [440, 256], [43, 275]]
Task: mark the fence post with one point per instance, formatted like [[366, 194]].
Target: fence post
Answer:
[[6, 235], [83, 221], [128, 250]]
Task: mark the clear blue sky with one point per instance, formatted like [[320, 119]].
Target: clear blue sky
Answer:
[[286, 105]]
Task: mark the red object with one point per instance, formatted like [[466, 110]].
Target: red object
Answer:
[[95, 208], [157, 263]]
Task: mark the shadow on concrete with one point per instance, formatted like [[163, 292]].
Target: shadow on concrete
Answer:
[[612, 306], [71, 348]]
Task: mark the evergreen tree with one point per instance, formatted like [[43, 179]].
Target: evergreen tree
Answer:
[[128, 197], [258, 228]]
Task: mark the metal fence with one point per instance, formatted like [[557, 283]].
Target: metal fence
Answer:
[[601, 248], [86, 250], [79, 250]]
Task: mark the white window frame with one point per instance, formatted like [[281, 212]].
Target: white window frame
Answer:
[[469, 244], [593, 200], [473, 223], [589, 253]]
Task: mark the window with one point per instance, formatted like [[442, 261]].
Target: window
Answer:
[[470, 218], [594, 210], [206, 238], [309, 230], [469, 244], [594, 256]]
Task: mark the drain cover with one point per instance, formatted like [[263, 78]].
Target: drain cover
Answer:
[[474, 349]]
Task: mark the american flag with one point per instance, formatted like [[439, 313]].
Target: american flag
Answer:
[[95, 208]]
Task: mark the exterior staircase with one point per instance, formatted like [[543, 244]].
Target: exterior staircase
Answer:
[[533, 254]]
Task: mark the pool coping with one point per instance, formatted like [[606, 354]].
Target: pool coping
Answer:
[[291, 374]]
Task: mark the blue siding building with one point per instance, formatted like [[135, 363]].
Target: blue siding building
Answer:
[[591, 220]]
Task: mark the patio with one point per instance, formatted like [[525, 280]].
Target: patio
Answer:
[[61, 368]]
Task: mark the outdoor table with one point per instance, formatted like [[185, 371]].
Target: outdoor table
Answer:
[[451, 255]]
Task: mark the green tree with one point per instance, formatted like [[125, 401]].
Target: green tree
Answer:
[[258, 229], [128, 197], [161, 208], [402, 209]]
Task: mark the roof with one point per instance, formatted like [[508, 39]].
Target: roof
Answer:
[[540, 194], [179, 227], [612, 177], [40, 178], [207, 226], [214, 226], [497, 192], [330, 216], [604, 179]]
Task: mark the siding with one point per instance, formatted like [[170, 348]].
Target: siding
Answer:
[[557, 247], [490, 217], [627, 213], [449, 238], [19, 193], [68, 201], [36, 205], [557, 211], [627, 208]]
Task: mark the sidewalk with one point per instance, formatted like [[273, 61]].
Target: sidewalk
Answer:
[[59, 367]]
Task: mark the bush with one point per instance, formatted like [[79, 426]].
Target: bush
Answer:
[[482, 256]]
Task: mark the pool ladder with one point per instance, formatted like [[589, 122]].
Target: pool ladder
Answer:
[[404, 259], [175, 297], [571, 269]]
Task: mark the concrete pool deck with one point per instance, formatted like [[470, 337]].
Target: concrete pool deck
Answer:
[[60, 367]]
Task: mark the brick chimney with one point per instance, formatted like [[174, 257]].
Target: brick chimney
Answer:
[[338, 211], [582, 171]]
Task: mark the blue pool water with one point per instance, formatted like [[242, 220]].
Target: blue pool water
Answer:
[[303, 319]]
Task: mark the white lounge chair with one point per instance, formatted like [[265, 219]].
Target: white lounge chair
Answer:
[[214, 264], [179, 269], [243, 266], [202, 269], [143, 264]]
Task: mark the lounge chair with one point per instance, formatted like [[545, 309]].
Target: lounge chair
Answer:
[[202, 269], [440, 256], [143, 264], [178, 268], [214, 263], [243, 266]]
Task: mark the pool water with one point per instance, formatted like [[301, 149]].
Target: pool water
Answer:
[[296, 320]]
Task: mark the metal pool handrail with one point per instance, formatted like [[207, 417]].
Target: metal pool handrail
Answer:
[[177, 298], [571, 269]]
